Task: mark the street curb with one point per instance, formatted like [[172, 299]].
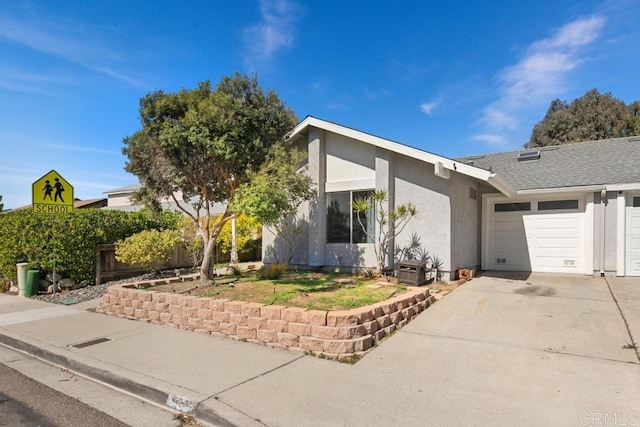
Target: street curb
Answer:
[[161, 398]]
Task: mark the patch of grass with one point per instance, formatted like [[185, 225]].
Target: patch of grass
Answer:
[[314, 291]]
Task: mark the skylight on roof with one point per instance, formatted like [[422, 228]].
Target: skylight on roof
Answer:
[[528, 155]]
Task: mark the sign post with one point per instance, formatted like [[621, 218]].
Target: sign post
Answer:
[[52, 194]]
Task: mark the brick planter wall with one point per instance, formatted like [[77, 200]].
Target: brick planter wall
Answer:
[[336, 334]]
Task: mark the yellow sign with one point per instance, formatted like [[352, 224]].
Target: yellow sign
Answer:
[[52, 194]]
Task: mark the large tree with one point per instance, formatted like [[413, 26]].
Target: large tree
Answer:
[[198, 146], [591, 117]]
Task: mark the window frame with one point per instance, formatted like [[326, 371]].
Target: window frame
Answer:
[[556, 205], [512, 207], [353, 222]]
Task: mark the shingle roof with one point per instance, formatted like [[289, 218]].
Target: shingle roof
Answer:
[[126, 189], [609, 161]]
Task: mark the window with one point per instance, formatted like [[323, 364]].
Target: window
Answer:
[[512, 207], [342, 221], [553, 205], [636, 202]]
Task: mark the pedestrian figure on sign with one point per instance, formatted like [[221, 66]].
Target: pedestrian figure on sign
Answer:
[[59, 189], [47, 189]]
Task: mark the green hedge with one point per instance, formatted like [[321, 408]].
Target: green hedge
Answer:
[[31, 237]]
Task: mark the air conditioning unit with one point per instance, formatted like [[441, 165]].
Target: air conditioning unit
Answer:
[[441, 171]]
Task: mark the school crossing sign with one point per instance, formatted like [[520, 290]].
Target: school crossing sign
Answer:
[[52, 194]]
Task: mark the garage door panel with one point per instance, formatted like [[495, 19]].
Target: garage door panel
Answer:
[[544, 241], [566, 244], [635, 244], [556, 264], [632, 255], [560, 233]]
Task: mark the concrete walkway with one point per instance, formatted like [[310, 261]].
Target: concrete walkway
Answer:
[[500, 350]]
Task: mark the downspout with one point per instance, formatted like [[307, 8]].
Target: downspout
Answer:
[[603, 202]]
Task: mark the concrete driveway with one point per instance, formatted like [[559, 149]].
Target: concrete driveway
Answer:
[[500, 350]]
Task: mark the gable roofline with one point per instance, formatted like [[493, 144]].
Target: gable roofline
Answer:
[[481, 174]]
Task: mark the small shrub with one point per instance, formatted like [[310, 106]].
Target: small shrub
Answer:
[[5, 285], [148, 248], [272, 271]]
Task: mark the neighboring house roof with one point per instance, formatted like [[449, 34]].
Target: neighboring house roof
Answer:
[[482, 174], [90, 203], [125, 190], [604, 164], [216, 208]]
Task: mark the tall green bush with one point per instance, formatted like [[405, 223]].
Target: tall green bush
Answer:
[[148, 248], [31, 237]]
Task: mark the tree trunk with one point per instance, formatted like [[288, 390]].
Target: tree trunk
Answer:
[[206, 269]]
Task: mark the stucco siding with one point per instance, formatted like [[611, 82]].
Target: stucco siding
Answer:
[[464, 222], [610, 233], [416, 183], [349, 160]]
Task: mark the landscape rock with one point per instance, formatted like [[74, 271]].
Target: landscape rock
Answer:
[[13, 289], [66, 283], [50, 277], [80, 285]]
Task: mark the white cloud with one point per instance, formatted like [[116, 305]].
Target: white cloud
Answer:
[[274, 32], [492, 140], [542, 73], [60, 40], [428, 107]]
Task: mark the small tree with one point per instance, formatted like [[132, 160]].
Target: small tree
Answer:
[[389, 223], [274, 194], [248, 229], [197, 147], [148, 249]]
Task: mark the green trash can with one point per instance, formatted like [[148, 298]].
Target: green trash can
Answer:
[[33, 281]]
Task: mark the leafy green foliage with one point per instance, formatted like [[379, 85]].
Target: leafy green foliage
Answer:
[[275, 192], [248, 229], [199, 146], [277, 189], [190, 239], [148, 248], [389, 222], [32, 237], [591, 117]]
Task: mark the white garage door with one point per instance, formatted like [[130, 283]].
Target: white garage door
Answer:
[[536, 235], [633, 237]]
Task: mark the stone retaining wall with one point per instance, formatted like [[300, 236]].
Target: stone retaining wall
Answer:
[[335, 334]]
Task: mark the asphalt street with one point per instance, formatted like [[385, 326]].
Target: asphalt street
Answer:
[[25, 402]]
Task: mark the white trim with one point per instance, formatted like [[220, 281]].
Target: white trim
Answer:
[[484, 241], [588, 234], [472, 171], [355, 184], [583, 189], [623, 187], [620, 233]]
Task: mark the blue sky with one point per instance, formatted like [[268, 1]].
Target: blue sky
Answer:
[[453, 78]]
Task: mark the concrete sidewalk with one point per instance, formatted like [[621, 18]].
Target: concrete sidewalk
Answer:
[[542, 350]]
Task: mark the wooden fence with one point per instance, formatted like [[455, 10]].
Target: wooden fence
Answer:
[[109, 268]]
